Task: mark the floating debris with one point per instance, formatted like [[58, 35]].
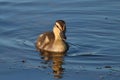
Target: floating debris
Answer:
[[106, 18], [23, 61], [107, 67]]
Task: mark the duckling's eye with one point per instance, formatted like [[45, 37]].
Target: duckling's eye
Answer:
[[57, 26]]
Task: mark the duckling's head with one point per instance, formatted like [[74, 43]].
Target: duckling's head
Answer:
[[60, 29]]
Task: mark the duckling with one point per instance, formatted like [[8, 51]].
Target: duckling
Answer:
[[53, 41]]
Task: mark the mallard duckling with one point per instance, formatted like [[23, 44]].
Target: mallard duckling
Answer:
[[53, 41]]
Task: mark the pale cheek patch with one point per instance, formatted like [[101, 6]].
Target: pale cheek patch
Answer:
[[57, 24]]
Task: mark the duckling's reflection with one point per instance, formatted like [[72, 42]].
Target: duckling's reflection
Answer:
[[57, 61]]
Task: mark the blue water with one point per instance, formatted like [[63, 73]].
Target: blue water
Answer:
[[93, 33]]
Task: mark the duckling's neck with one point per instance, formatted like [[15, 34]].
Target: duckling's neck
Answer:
[[57, 33], [57, 36]]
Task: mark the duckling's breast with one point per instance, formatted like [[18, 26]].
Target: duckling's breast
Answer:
[[57, 46]]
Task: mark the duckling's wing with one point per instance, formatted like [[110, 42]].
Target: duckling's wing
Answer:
[[43, 40]]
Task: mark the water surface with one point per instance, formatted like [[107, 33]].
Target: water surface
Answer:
[[93, 33]]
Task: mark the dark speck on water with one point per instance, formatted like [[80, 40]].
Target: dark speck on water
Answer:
[[93, 33], [23, 61], [108, 66], [106, 18]]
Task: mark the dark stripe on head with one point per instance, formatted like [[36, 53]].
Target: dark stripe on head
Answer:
[[62, 24]]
